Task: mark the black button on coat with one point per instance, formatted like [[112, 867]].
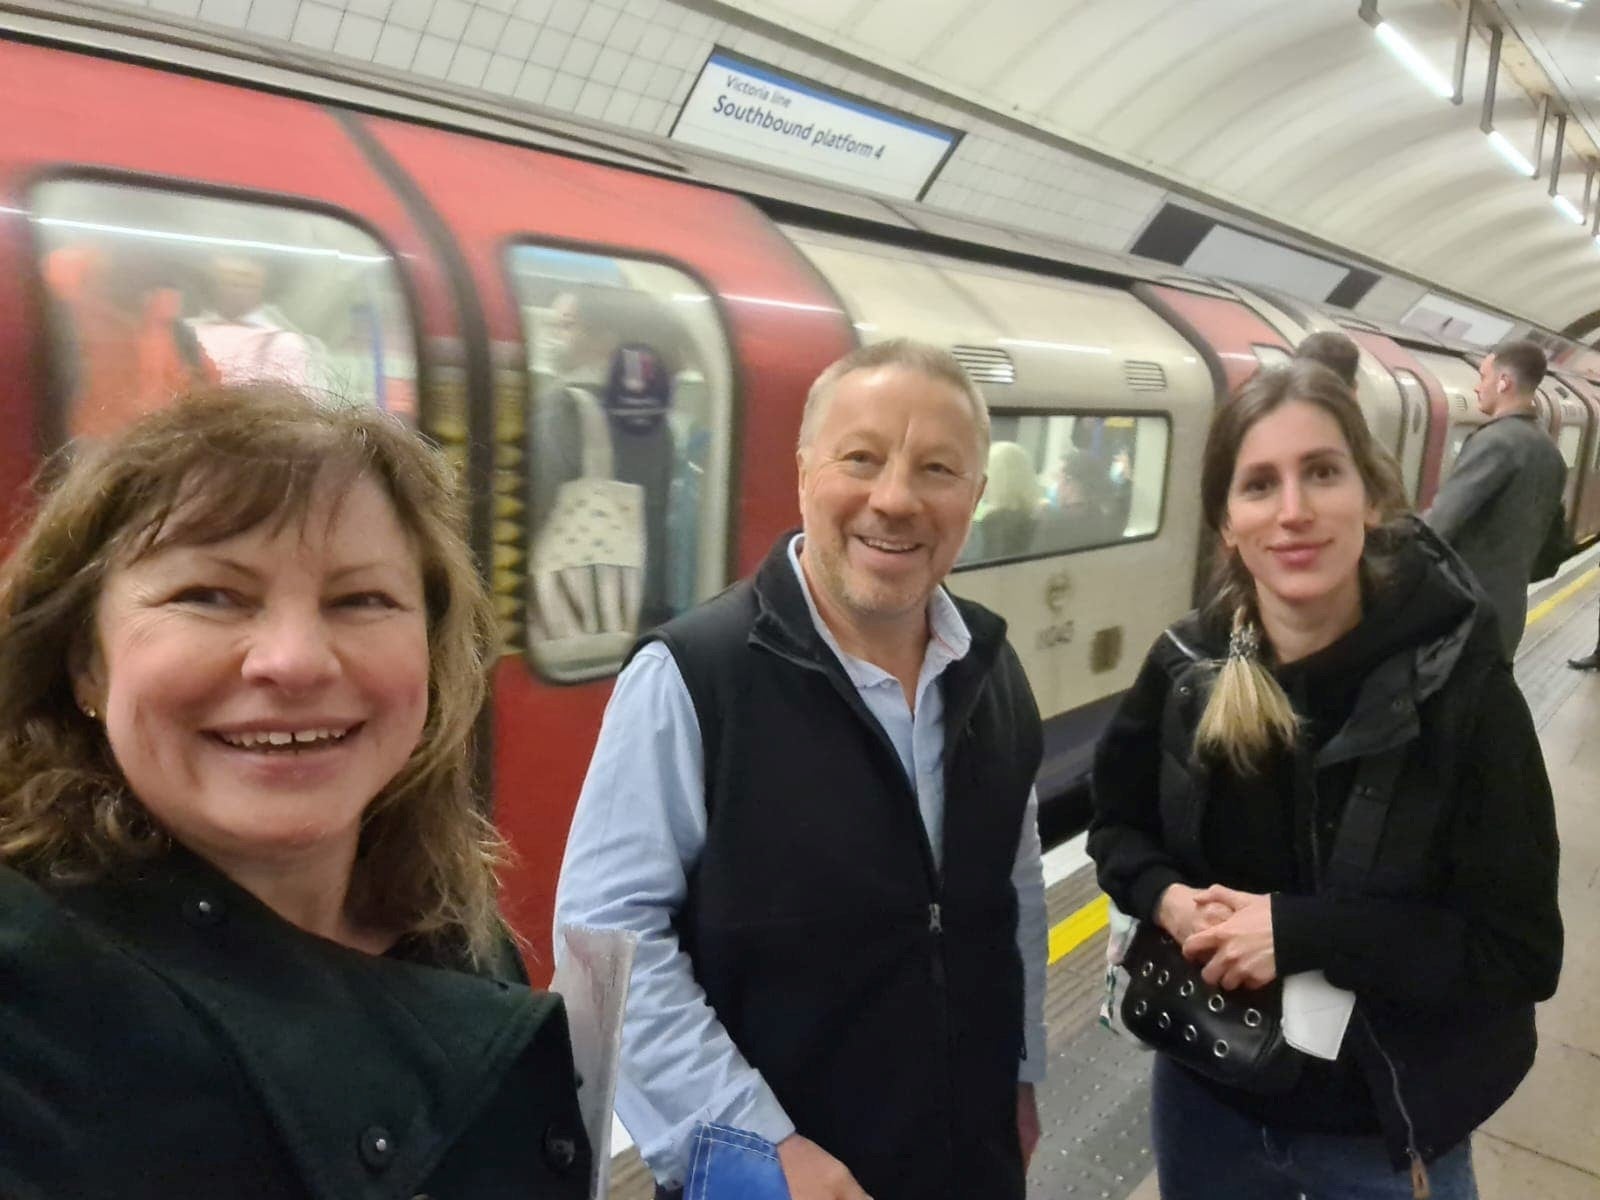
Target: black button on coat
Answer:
[[169, 1037]]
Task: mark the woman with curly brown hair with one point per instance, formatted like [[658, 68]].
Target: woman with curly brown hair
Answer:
[[1329, 768], [247, 902]]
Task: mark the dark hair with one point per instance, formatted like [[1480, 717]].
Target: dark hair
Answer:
[[215, 465], [1247, 713], [1334, 351], [1524, 361]]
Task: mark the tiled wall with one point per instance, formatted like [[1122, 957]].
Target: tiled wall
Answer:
[[632, 62]]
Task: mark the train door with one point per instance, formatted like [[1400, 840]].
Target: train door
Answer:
[[1377, 392], [1424, 413], [1587, 523], [652, 345], [1233, 340], [160, 231], [1572, 439], [1459, 381]]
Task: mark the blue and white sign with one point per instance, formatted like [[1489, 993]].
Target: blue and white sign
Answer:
[[742, 108]]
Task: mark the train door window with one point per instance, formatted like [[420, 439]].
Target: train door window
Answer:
[[627, 440], [1060, 483], [1270, 356], [152, 293], [1416, 401], [1570, 442]]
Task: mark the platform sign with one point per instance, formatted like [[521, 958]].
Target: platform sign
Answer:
[[742, 108]]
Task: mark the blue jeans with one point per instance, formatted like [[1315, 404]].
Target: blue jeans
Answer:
[[730, 1164], [1207, 1151]]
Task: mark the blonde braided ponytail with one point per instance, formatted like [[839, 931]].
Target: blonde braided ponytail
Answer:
[[1247, 715]]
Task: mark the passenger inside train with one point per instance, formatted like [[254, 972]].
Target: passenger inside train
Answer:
[[121, 316], [618, 447], [150, 307], [247, 340]]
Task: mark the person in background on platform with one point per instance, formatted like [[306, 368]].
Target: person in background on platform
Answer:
[[1499, 502], [114, 306], [245, 341], [1240, 804], [812, 798], [248, 928], [1589, 662], [576, 349], [1334, 351]]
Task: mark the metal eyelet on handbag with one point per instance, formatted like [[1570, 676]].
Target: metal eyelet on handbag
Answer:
[[1141, 1008], [1252, 1019], [1190, 1033], [1161, 979], [1215, 1004], [1144, 971], [1187, 989], [1164, 1021], [1220, 1049]]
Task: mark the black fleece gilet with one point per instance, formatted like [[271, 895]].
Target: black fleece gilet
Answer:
[[879, 998]]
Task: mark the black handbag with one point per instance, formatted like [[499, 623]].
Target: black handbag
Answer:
[[1234, 1037]]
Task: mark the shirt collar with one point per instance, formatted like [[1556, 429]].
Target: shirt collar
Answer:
[[949, 642]]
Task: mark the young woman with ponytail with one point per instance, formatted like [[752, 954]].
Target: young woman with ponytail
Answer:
[[1339, 642]]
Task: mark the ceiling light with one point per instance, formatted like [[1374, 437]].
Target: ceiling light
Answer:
[[1395, 42], [1511, 154], [1568, 209]]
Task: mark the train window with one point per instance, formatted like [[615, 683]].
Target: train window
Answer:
[[1569, 441], [153, 292], [1270, 356], [1416, 396], [631, 388], [1059, 483]]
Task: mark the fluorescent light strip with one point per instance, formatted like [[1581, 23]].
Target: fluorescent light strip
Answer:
[[1071, 347], [162, 235], [1395, 42], [1511, 154], [1567, 209]]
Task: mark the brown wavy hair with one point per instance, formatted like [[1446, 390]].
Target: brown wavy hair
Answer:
[[1247, 714], [214, 465]]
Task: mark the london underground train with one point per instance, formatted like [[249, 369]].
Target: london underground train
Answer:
[[592, 322]]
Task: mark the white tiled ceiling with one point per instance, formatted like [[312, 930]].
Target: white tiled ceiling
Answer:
[[1287, 109], [632, 62]]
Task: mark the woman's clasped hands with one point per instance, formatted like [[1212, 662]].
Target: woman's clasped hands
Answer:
[[1229, 931]]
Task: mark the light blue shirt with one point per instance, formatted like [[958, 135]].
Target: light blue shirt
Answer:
[[638, 832]]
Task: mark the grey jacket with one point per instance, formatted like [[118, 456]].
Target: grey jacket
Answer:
[[1496, 508]]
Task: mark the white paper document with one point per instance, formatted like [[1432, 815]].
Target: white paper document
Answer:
[[1315, 1013], [592, 970]]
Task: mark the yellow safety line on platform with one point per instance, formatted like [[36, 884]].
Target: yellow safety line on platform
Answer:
[[1549, 606], [1079, 928]]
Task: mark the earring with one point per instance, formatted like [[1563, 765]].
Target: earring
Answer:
[[90, 711]]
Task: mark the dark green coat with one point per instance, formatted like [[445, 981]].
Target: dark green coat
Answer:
[[169, 1036]]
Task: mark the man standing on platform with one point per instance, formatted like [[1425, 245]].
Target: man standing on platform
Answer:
[[1499, 503], [812, 798]]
